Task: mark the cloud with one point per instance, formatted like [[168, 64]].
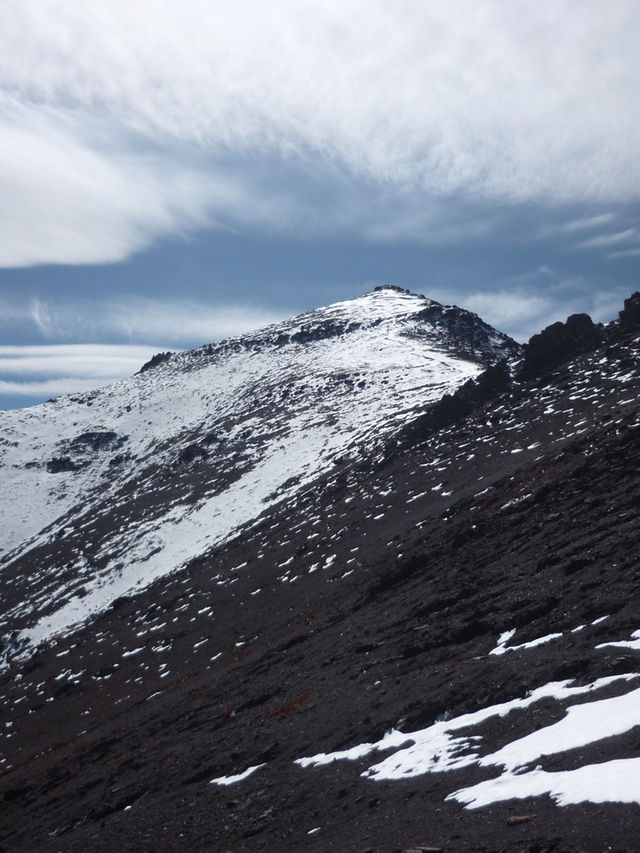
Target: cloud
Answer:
[[64, 200], [603, 241], [588, 222], [156, 322], [93, 361], [45, 371], [50, 387], [183, 321], [44, 389], [42, 371], [519, 313], [125, 123], [606, 305], [625, 253]]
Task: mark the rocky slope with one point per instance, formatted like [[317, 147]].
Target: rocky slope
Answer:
[[432, 644]]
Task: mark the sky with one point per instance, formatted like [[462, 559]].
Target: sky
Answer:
[[172, 174]]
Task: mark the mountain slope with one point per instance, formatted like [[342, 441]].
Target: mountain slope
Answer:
[[433, 646], [105, 492]]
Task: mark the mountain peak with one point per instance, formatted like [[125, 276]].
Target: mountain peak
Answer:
[[394, 288]]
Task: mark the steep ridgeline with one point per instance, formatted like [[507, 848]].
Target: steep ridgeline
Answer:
[[106, 491]]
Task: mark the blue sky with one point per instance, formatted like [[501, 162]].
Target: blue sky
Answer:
[[170, 176]]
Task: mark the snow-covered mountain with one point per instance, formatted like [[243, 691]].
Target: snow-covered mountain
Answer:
[[427, 641], [106, 491]]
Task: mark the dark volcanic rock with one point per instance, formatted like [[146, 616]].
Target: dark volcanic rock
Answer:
[[80, 451], [192, 453], [60, 464], [154, 361], [488, 385], [558, 343], [97, 440], [629, 317]]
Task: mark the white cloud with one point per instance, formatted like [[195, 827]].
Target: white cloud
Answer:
[[68, 199], [487, 99], [182, 321], [40, 371], [93, 361], [625, 253], [52, 387], [519, 313], [47, 370], [159, 323], [587, 223], [603, 241], [606, 304]]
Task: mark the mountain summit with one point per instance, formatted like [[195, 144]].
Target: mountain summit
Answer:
[[365, 580]]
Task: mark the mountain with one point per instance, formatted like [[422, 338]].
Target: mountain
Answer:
[[104, 492], [365, 580]]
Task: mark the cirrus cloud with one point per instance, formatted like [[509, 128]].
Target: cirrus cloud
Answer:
[[43, 371], [156, 322], [123, 123]]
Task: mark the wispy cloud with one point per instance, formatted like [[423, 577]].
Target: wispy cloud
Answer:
[[625, 253], [47, 370], [116, 132], [604, 241], [587, 223], [93, 361], [73, 193], [182, 321], [156, 322], [516, 311], [49, 387], [40, 371]]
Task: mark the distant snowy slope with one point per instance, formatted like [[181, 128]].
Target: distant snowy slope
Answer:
[[103, 492]]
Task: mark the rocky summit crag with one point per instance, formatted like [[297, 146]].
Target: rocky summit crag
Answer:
[[366, 580]]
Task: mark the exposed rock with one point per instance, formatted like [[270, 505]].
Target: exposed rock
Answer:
[[192, 453], [558, 343], [97, 440], [629, 317], [80, 451], [154, 361], [452, 407], [62, 464]]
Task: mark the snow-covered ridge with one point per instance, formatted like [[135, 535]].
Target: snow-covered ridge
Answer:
[[450, 327], [106, 491]]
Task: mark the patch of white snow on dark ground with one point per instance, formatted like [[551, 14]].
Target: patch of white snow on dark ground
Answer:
[[610, 782], [436, 749], [238, 777]]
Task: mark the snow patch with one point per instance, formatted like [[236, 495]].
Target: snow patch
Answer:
[[438, 749], [238, 777], [609, 782]]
